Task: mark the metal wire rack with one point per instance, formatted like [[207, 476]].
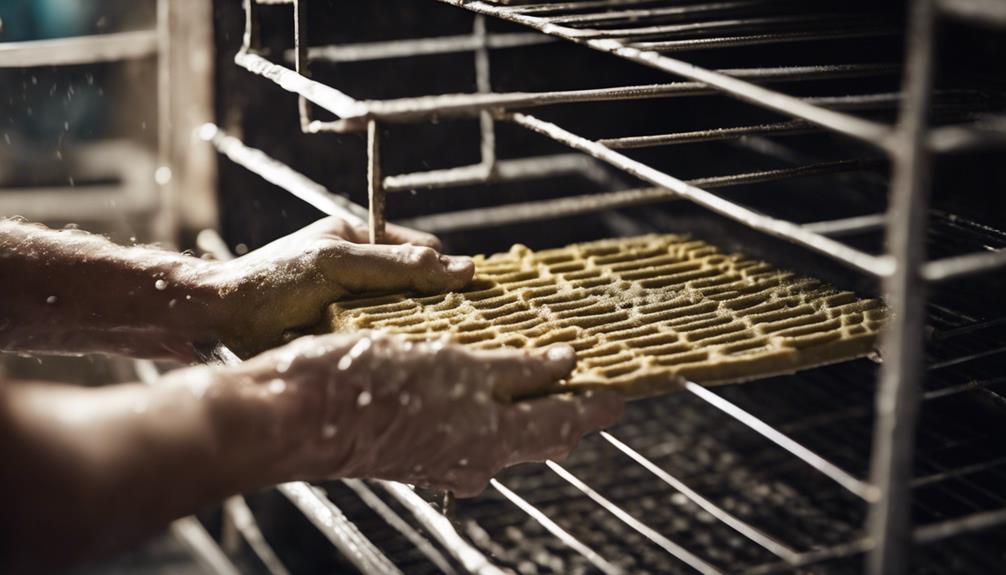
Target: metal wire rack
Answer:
[[869, 478]]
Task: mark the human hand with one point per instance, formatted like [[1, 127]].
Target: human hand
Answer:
[[432, 414], [286, 284]]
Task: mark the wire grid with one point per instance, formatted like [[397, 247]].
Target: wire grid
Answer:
[[834, 423], [904, 150]]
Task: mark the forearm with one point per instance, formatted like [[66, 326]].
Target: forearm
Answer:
[[87, 471], [72, 292]]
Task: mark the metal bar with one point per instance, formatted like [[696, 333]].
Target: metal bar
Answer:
[[285, 177], [779, 228], [572, 205], [957, 472], [847, 226], [191, 532], [855, 486], [506, 170], [778, 548], [243, 519], [394, 520], [966, 358], [923, 535], [552, 527], [987, 133], [327, 97], [858, 128], [537, 210], [352, 112], [559, 6], [705, 26], [737, 41], [903, 345], [823, 168], [330, 520], [375, 185], [483, 81], [984, 12], [946, 529], [963, 266], [79, 50], [811, 557], [638, 14], [441, 529], [664, 543], [711, 135], [251, 38], [302, 64], [371, 51]]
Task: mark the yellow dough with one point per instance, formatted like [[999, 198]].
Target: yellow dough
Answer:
[[644, 314]]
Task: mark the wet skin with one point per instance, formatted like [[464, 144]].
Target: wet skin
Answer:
[[98, 468]]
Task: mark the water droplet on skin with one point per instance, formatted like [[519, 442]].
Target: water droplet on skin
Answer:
[[276, 386], [51, 300], [364, 399], [284, 365], [188, 298], [345, 362], [160, 285], [418, 468], [481, 397], [463, 462], [457, 391], [241, 249], [328, 431], [162, 176], [355, 352], [405, 398], [172, 303]]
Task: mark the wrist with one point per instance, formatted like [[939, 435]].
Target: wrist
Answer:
[[242, 429], [258, 422]]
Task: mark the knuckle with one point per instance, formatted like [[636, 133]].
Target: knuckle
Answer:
[[423, 256], [328, 247]]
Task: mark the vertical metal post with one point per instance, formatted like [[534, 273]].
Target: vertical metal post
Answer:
[[483, 80], [303, 67], [250, 41], [164, 222], [187, 169], [898, 398], [375, 185]]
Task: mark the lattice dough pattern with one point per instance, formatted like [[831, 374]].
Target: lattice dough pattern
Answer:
[[643, 313]]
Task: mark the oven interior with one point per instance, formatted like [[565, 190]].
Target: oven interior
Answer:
[[770, 476]]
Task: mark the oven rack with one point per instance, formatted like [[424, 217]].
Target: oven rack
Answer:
[[909, 145], [829, 114], [952, 324]]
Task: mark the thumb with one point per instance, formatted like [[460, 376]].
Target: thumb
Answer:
[[365, 267]]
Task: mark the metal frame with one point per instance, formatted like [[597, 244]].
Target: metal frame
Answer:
[[907, 145], [181, 42]]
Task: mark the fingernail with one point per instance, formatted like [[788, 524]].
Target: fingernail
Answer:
[[457, 264], [560, 353]]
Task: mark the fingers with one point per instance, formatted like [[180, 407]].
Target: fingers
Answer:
[[361, 234], [550, 428], [362, 268], [399, 235], [519, 374]]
